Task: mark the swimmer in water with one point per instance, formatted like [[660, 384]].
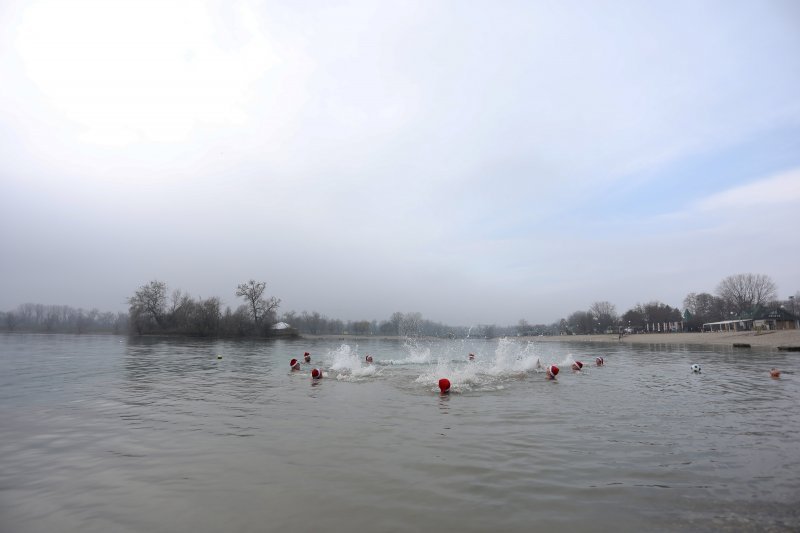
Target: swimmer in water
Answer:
[[599, 361], [552, 372], [307, 357], [295, 364], [775, 373], [316, 373], [369, 359], [472, 357], [576, 366], [444, 386]]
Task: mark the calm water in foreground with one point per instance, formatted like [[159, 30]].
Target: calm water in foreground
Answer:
[[110, 434]]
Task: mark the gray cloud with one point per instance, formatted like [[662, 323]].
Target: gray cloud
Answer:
[[473, 163]]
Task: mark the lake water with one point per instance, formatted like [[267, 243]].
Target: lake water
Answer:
[[110, 434]]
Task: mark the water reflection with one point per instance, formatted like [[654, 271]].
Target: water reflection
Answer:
[[128, 436]]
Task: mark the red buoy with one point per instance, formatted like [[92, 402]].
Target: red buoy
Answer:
[[295, 364], [316, 373], [444, 385], [307, 357], [552, 372], [577, 365], [599, 361]]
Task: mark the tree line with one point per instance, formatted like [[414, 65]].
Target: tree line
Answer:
[[739, 296], [62, 319], [154, 309]]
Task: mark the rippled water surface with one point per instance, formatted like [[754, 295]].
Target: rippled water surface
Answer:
[[103, 433]]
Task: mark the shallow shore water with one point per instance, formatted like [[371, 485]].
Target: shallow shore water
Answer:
[[104, 433], [769, 339]]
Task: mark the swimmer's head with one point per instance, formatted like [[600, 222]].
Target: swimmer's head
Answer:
[[444, 385], [307, 357], [552, 371], [368, 358], [599, 361], [472, 357], [775, 373], [316, 373], [295, 364], [577, 365]]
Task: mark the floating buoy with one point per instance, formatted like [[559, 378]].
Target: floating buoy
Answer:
[[316, 373], [472, 357], [552, 372], [599, 361], [444, 385], [295, 364], [307, 357], [775, 373], [696, 368], [577, 365], [369, 359]]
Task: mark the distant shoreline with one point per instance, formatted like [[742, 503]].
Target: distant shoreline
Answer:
[[771, 339]]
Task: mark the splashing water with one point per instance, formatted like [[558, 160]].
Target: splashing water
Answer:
[[493, 368], [349, 365]]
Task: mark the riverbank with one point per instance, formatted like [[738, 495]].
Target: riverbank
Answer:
[[771, 339]]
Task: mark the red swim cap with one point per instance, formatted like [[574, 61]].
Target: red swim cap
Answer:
[[599, 361], [553, 370], [444, 385], [316, 373], [306, 353], [294, 363], [578, 364]]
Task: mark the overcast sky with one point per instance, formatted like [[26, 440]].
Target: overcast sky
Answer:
[[475, 161]]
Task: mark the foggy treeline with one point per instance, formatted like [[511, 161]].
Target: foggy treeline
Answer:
[[62, 319], [154, 310], [739, 296]]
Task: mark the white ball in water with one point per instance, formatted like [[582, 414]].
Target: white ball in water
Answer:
[[696, 368]]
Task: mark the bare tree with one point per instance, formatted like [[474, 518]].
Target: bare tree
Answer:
[[252, 292], [580, 322], [743, 292], [605, 314], [410, 324], [396, 320], [148, 303], [361, 327]]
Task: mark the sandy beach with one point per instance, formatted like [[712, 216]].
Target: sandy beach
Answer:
[[772, 339]]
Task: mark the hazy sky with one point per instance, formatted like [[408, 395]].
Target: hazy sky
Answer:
[[475, 161]]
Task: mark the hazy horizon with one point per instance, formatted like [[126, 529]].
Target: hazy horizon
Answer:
[[476, 163]]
